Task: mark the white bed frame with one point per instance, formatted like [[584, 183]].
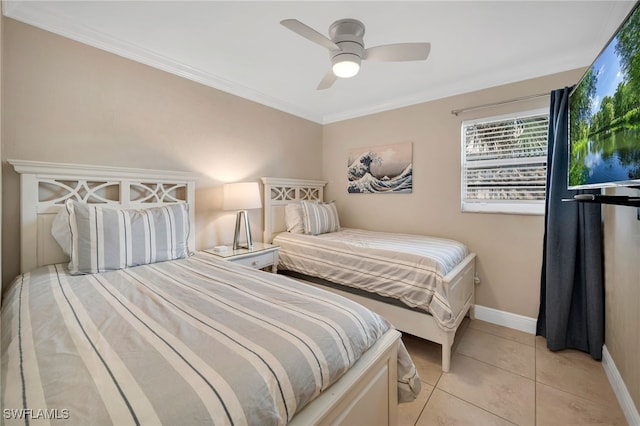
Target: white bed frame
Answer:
[[366, 394], [459, 283]]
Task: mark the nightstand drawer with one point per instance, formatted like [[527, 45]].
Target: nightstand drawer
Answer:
[[260, 256], [258, 261]]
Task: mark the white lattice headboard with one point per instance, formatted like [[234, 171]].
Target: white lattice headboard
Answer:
[[44, 188], [278, 192]]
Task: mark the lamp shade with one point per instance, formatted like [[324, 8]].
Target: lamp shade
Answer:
[[241, 196]]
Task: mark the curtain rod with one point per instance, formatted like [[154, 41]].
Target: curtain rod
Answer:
[[523, 98]]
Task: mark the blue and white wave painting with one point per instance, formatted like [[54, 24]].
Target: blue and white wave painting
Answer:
[[371, 172]]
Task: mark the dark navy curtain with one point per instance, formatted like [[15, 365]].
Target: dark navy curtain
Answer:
[[571, 311]]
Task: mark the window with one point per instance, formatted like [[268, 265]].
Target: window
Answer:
[[504, 163]]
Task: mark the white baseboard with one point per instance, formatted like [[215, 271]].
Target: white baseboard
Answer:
[[528, 325], [505, 319], [619, 388]]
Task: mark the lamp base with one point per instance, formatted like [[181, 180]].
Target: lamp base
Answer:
[[242, 215]]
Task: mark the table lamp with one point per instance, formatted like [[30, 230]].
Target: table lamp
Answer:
[[242, 196]]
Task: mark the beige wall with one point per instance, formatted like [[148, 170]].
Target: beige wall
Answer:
[[67, 102], [509, 247], [622, 290]]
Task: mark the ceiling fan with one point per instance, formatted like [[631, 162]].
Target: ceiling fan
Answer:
[[346, 48]]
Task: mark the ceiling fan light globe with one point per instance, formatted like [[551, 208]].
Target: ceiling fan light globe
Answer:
[[346, 68]]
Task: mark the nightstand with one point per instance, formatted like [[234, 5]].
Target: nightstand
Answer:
[[260, 256]]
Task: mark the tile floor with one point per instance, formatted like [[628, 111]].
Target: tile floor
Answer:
[[501, 376]]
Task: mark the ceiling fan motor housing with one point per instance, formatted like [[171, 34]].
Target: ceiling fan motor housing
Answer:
[[347, 34], [346, 48]]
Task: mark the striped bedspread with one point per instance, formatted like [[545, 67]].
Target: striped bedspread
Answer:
[[191, 341], [408, 268]]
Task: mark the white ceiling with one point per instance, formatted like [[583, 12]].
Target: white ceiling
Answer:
[[241, 48]]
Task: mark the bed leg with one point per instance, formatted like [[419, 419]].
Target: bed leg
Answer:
[[472, 312], [446, 357], [446, 351]]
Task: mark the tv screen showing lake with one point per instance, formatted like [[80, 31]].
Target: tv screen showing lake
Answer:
[[608, 157]]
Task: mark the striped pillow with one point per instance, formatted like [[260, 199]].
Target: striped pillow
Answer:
[[320, 218], [106, 239]]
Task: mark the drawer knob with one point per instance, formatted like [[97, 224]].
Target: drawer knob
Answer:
[[254, 263]]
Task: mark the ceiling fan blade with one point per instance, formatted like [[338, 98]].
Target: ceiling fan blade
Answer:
[[398, 52], [309, 33], [327, 81]]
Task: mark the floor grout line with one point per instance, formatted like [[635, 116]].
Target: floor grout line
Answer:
[[498, 367], [424, 406], [475, 405]]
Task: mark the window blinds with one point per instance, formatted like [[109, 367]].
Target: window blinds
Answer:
[[504, 159]]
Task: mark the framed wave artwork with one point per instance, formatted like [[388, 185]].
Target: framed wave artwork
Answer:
[[381, 169]]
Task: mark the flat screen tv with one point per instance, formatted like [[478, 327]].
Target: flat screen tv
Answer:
[[604, 114]]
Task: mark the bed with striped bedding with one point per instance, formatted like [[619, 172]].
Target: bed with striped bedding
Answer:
[[190, 341], [407, 268]]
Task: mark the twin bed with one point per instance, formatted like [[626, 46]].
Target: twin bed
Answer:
[[138, 329], [424, 286]]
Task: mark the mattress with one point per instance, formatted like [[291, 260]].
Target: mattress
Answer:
[[407, 268], [191, 341]]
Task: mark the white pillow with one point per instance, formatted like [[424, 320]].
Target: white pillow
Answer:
[[293, 218], [320, 218]]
